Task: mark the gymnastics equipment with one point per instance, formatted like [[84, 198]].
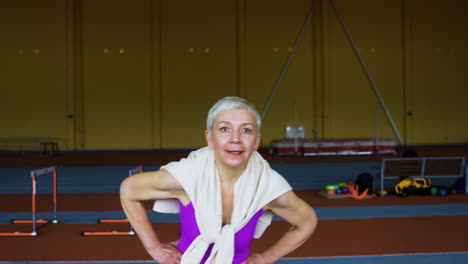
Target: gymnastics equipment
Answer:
[[34, 175], [356, 51], [433, 167], [326, 147], [138, 169]]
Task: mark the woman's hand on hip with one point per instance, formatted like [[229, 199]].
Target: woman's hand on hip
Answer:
[[166, 254], [255, 258]]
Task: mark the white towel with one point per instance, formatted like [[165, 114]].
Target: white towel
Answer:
[[198, 175]]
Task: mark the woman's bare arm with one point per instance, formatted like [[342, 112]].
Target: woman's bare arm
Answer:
[[150, 186], [303, 221]]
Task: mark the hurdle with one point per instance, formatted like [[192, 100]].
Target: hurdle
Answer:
[[34, 176], [138, 169]]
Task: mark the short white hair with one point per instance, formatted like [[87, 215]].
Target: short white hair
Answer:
[[229, 103]]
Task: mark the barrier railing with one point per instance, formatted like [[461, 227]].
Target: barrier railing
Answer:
[[429, 167]]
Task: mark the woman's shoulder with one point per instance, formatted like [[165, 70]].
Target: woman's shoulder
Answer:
[[282, 200]]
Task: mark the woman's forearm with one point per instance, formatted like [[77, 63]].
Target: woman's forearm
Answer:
[[132, 193], [137, 215], [303, 222], [139, 220]]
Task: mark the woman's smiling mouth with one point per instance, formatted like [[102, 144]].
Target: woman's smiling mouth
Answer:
[[234, 152]]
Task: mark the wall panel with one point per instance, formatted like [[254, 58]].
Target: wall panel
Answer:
[[33, 70], [198, 66], [437, 91], [117, 62]]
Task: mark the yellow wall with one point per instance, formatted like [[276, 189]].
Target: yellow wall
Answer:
[[351, 106], [268, 33], [117, 91], [142, 74], [198, 66], [437, 87], [34, 92]]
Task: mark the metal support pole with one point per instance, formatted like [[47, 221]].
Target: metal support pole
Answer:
[[366, 70], [55, 219], [288, 61], [382, 171], [33, 204]]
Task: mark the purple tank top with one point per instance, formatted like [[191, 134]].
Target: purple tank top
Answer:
[[189, 231]]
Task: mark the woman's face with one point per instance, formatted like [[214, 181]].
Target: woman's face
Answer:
[[234, 137]]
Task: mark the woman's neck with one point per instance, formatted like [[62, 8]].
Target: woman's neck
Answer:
[[228, 174]]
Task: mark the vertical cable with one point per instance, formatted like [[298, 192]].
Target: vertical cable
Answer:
[[366, 70], [288, 61]]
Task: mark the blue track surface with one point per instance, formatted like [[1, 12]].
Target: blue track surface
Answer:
[[322, 212], [106, 179], [436, 258]]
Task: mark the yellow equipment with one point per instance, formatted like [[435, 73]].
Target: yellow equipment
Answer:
[[412, 185]]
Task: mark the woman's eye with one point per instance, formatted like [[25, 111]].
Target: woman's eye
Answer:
[[246, 130], [224, 129]]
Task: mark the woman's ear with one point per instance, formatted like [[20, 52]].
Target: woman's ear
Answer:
[[259, 138], [208, 139]]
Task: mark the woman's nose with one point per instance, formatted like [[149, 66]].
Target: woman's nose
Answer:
[[235, 137]]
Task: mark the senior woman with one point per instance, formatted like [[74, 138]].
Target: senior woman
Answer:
[[226, 194]]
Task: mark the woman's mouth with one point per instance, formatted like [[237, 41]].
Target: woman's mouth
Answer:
[[235, 152]]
